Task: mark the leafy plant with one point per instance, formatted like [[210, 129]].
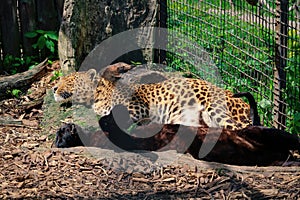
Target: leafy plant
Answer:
[[15, 92], [56, 74], [45, 40], [14, 64], [46, 43], [293, 121]]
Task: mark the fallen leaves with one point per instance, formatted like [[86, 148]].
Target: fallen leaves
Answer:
[[29, 170], [30, 123], [55, 173]]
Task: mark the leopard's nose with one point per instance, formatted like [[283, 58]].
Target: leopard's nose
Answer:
[[54, 88]]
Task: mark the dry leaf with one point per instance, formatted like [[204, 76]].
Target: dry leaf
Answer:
[[30, 123]]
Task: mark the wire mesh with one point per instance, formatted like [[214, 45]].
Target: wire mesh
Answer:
[[237, 46]]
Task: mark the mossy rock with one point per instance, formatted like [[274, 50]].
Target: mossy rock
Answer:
[[55, 114]]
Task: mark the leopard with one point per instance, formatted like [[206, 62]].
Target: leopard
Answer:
[[179, 100], [77, 87]]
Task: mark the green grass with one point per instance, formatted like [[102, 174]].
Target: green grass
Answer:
[[242, 53]]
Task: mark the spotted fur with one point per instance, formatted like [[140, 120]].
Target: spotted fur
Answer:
[[187, 101], [77, 87]]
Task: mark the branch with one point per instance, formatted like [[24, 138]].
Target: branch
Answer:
[[22, 80]]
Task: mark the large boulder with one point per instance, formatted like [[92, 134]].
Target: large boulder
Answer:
[[255, 145]]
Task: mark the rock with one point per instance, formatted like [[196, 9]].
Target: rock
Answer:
[[254, 145]]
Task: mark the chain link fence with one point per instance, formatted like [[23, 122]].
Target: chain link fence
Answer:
[[242, 46]]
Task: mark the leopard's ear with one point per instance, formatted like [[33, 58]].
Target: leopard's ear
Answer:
[[92, 73], [113, 72]]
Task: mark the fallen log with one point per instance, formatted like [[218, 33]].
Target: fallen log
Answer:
[[21, 81], [254, 145]]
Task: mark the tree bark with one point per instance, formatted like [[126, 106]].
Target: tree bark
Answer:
[[85, 24]]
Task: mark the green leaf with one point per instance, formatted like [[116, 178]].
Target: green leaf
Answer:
[[56, 74], [297, 118], [16, 92], [264, 103], [135, 63], [13, 71], [50, 45], [52, 35], [33, 65], [41, 42], [52, 49], [31, 34], [40, 31], [28, 60], [34, 46]]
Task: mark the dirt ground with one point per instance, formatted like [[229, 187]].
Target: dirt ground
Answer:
[[31, 169]]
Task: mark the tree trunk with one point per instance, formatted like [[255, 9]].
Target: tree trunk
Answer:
[[86, 24]]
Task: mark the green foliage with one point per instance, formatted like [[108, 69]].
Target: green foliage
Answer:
[[45, 39], [14, 64], [15, 92], [56, 74], [46, 44], [294, 123]]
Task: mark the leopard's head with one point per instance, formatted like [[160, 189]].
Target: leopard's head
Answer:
[[77, 87]]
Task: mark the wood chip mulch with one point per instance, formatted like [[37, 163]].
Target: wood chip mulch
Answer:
[[31, 169]]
